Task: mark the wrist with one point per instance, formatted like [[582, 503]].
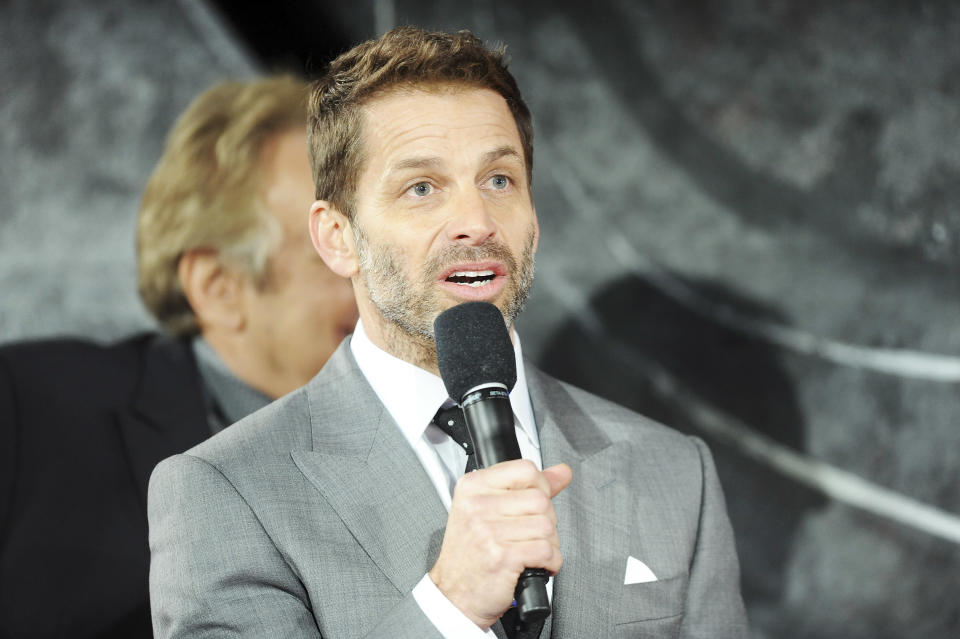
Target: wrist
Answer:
[[456, 598]]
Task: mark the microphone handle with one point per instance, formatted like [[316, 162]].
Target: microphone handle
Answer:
[[489, 419]]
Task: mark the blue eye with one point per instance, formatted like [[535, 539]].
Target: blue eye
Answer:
[[499, 182], [421, 189]]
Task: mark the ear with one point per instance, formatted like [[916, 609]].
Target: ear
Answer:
[[215, 293], [332, 236]]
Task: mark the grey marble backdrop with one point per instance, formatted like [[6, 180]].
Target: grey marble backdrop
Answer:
[[750, 225], [89, 91]]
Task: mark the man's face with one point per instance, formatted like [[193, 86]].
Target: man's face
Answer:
[[298, 318], [443, 213]]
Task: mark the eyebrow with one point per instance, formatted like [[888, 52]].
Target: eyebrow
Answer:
[[504, 151], [416, 163], [435, 162]]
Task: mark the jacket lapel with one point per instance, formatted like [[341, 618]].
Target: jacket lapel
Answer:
[[167, 415], [369, 474], [593, 523]]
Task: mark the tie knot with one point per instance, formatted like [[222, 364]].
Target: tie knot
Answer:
[[451, 421]]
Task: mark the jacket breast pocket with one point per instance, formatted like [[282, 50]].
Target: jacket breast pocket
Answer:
[[655, 601]]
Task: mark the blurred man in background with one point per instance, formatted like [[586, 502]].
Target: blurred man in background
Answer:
[[249, 311]]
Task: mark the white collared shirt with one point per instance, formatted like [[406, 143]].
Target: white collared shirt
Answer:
[[412, 396]]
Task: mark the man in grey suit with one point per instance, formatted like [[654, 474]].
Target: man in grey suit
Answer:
[[340, 510]]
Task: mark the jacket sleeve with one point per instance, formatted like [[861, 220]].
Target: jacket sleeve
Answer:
[[714, 606], [9, 443], [215, 572]]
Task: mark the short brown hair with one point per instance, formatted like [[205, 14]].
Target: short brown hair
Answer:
[[404, 57], [205, 190]]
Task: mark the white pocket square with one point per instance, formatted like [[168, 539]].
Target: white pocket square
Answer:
[[637, 572]]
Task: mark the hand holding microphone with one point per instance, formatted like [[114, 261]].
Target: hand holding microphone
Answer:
[[501, 541]]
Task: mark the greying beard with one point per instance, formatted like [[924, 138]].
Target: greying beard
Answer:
[[399, 302], [518, 301], [388, 291]]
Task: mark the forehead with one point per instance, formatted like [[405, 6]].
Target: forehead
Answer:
[[287, 181], [438, 119]]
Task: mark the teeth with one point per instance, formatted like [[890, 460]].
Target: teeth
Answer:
[[471, 278]]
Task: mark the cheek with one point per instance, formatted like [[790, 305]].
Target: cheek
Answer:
[[520, 231]]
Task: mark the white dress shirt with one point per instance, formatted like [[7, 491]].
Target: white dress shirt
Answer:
[[413, 396]]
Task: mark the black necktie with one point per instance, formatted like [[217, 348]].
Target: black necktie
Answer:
[[451, 421], [516, 629]]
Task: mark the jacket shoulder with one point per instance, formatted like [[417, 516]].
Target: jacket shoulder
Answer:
[[617, 422], [277, 428], [287, 423], [70, 353], [71, 366]]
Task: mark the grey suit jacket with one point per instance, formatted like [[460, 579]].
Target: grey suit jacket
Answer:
[[314, 518]]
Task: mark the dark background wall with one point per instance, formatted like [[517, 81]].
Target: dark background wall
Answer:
[[750, 232]]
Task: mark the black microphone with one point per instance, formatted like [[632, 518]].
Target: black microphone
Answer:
[[479, 368]]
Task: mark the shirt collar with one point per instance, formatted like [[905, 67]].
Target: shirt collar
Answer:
[[412, 395], [229, 398]]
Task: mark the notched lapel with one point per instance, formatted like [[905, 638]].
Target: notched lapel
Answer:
[[367, 472], [167, 415], [593, 513], [387, 502]]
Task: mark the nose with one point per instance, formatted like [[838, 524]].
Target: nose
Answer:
[[470, 222]]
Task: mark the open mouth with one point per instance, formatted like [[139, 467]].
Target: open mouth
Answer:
[[471, 278]]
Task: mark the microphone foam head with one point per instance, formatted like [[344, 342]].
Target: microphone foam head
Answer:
[[473, 348]]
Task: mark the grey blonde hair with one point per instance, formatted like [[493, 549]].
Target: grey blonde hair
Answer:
[[205, 192]]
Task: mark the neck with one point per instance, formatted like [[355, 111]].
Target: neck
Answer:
[[242, 362], [414, 349]]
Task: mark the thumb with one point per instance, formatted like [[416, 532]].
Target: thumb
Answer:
[[558, 477]]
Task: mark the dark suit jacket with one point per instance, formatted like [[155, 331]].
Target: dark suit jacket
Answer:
[[81, 428]]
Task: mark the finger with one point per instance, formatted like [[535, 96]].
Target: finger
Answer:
[[558, 477], [516, 474], [538, 553], [528, 528], [513, 503]]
